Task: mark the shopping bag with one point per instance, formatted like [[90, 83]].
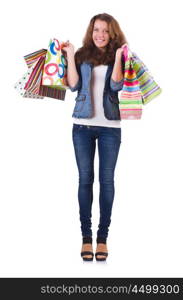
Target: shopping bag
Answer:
[[33, 57], [34, 83], [130, 99], [55, 68], [52, 92], [149, 88], [139, 86], [20, 85]]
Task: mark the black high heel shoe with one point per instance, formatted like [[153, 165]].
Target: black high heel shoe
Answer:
[[87, 240], [101, 254], [101, 240]]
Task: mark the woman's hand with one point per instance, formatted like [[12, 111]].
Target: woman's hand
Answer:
[[117, 74], [119, 52], [69, 49]]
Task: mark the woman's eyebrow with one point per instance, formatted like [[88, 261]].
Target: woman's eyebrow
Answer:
[[99, 28]]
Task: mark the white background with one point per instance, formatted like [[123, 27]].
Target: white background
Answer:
[[39, 214]]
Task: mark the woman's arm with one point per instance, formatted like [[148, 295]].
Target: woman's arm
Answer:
[[117, 74], [72, 74]]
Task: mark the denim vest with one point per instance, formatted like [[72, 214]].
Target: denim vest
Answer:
[[83, 106]]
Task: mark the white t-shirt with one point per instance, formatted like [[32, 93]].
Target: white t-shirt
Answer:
[[97, 89]]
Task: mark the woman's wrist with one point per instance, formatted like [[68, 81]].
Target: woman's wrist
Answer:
[[70, 57], [118, 62]]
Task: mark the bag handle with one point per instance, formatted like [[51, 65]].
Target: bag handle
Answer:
[[126, 51]]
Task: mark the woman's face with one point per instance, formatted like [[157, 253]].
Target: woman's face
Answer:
[[100, 34]]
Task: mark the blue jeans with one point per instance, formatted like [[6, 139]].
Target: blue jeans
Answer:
[[84, 141]]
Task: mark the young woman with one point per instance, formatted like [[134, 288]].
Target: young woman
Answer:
[[96, 72]]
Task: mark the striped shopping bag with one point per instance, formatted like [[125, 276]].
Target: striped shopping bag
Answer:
[[33, 57], [130, 100], [139, 86], [34, 82], [149, 88], [22, 87]]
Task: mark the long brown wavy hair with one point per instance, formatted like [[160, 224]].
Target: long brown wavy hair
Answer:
[[90, 53]]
